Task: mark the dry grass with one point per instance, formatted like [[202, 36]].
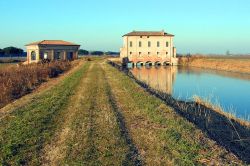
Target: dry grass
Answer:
[[219, 109], [17, 81], [116, 60], [232, 64]]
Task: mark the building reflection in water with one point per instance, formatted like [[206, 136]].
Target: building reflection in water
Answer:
[[159, 78]]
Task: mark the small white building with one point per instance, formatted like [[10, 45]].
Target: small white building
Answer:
[[148, 47], [51, 50]]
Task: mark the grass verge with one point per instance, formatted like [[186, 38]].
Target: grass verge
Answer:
[[161, 134], [24, 131]]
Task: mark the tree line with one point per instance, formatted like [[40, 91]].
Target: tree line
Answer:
[[11, 51], [98, 53]]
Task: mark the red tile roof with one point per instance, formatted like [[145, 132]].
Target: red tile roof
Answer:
[[53, 42], [148, 33]]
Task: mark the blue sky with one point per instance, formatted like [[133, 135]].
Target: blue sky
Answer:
[[211, 26]]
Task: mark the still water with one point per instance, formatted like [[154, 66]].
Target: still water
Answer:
[[229, 90]]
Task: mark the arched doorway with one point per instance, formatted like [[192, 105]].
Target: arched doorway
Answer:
[[139, 64], [33, 55], [70, 56], [130, 64], [157, 63], [166, 63], [148, 63]]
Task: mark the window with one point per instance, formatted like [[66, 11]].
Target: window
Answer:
[[158, 44], [70, 56], [166, 44], [130, 53], [148, 53], [57, 56], [140, 36], [140, 53], [147, 36], [45, 55], [149, 44], [166, 53], [139, 43], [158, 53], [131, 44], [33, 55]]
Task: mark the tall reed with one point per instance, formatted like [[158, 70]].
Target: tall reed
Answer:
[[16, 81]]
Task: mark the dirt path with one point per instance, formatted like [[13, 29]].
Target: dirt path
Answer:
[[99, 116], [117, 126], [56, 150], [93, 131]]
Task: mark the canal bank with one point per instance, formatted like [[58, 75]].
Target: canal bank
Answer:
[[97, 115], [232, 64], [226, 131]]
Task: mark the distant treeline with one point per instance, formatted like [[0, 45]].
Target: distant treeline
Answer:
[[16, 52], [12, 52], [98, 53]]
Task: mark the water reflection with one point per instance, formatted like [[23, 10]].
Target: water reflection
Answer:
[[230, 90], [160, 78], [195, 70]]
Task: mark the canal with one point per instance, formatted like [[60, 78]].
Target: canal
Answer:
[[231, 91]]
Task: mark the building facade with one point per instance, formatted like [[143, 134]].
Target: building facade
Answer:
[[145, 47], [51, 50]]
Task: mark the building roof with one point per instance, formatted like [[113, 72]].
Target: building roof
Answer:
[[148, 33], [53, 42]]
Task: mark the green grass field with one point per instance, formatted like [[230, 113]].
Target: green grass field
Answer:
[[99, 116]]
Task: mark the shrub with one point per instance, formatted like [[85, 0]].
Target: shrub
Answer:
[[17, 81]]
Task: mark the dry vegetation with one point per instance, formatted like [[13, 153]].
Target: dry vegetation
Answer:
[[216, 107], [19, 80], [233, 64]]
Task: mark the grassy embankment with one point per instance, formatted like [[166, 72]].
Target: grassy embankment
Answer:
[[163, 134], [99, 116], [232, 64], [227, 130], [24, 131]]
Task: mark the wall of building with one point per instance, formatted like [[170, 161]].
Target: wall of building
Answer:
[[163, 51], [31, 48], [52, 51]]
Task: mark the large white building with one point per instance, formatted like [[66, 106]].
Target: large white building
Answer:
[[148, 47]]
